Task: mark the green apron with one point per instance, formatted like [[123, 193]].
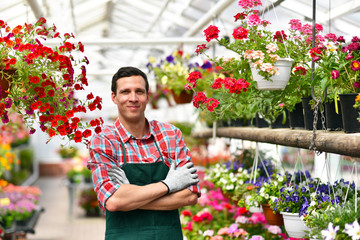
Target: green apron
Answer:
[[143, 224]]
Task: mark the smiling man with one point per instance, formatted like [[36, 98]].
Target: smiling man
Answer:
[[142, 170]]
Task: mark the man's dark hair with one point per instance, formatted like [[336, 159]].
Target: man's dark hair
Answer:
[[128, 72]]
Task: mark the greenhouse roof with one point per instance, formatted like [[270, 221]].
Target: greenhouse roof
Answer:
[[127, 32]]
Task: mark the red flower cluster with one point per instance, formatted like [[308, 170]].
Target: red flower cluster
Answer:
[[280, 36], [300, 71], [200, 48], [211, 32], [48, 81], [193, 76], [240, 33], [206, 216], [234, 86]]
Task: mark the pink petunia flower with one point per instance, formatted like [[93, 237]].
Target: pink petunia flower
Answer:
[[355, 65], [335, 74], [253, 20]]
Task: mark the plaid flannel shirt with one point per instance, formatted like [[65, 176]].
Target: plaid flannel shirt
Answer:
[[106, 151]]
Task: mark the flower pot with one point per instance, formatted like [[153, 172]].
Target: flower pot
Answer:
[[260, 122], [271, 218], [294, 226], [6, 76], [278, 123], [349, 113], [296, 117], [309, 115], [183, 97], [279, 80], [240, 122], [333, 120]]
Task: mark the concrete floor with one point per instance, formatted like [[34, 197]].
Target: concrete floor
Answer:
[[56, 222]]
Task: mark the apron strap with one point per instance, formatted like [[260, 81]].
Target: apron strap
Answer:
[[157, 146], [123, 150]]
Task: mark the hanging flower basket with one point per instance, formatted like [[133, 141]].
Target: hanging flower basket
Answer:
[[183, 97], [277, 81], [294, 226], [271, 217]]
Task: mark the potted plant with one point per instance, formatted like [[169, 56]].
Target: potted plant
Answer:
[[269, 192], [216, 93], [328, 198], [262, 47], [337, 222], [68, 152], [160, 92], [339, 64], [88, 202], [75, 175], [172, 72], [43, 81], [7, 157]]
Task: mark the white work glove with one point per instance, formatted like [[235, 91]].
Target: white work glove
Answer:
[[118, 175], [180, 178]]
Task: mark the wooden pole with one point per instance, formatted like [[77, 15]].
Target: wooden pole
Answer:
[[331, 142]]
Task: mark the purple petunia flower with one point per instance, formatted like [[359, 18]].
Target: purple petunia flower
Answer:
[[206, 65], [170, 59]]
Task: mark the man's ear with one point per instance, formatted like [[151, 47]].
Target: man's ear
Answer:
[[113, 97]]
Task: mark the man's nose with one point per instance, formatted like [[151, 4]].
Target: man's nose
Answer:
[[133, 96]]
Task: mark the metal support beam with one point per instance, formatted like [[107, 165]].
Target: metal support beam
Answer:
[[35, 7], [208, 17], [157, 17]]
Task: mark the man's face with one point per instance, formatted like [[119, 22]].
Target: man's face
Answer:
[[131, 98]]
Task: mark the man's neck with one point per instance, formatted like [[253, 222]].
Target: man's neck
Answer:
[[136, 129]]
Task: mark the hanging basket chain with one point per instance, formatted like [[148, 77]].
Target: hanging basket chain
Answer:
[[318, 106]]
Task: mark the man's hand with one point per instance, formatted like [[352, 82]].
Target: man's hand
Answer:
[[181, 178], [118, 175]]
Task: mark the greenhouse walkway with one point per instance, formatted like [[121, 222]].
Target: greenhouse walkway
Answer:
[[56, 222]]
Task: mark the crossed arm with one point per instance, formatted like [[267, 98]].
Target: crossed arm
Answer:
[[150, 197], [168, 194]]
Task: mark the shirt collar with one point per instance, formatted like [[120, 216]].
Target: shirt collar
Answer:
[[125, 135]]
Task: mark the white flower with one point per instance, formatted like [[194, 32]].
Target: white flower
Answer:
[[241, 219], [281, 179], [330, 233], [274, 229], [208, 233], [353, 230], [230, 187], [313, 203], [273, 198]]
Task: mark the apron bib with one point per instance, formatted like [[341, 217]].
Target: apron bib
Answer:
[[143, 224]]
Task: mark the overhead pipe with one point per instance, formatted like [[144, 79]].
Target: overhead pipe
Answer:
[[134, 42]]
